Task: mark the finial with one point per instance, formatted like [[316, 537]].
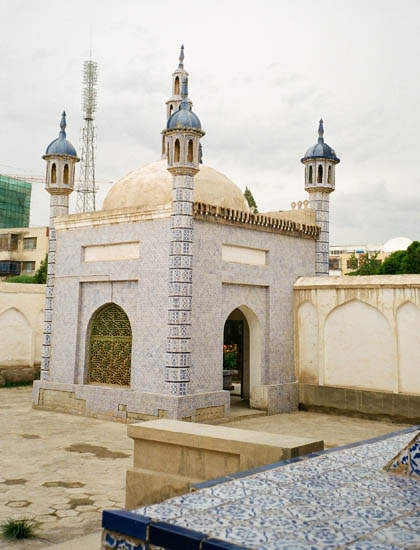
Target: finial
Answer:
[[181, 57], [63, 125], [321, 131]]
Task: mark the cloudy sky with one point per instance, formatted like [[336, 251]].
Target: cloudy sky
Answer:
[[261, 75]]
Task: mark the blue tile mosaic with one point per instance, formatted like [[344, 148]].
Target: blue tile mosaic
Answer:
[[339, 499]]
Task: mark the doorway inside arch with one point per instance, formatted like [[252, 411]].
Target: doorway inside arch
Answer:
[[236, 355]]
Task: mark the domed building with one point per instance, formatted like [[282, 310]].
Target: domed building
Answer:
[[147, 297]]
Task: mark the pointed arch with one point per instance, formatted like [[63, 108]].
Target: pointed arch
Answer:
[[329, 175], [359, 346], [16, 331], [66, 174], [53, 173], [171, 110], [176, 87], [408, 330], [320, 174], [110, 342], [190, 155], [310, 176], [177, 151]]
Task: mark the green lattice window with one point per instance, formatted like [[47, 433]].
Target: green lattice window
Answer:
[[110, 347]]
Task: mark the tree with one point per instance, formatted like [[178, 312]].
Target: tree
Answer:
[[40, 275], [250, 199], [392, 264], [410, 263], [369, 265]]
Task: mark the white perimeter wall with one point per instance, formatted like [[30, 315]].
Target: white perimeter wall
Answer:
[[21, 323], [359, 332]]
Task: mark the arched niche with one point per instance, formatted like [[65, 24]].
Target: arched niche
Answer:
[[308, 343], [408, 329], [251, 348], [110, 343], [16, 338], [359, 348]]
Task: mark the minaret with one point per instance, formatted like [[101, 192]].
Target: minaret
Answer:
[[61, 158], [182, 143], [174, 101], [320, 161]]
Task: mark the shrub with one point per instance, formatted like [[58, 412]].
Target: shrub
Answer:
[[13, 529]]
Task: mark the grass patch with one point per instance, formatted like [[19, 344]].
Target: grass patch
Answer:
[[13, 529], [8, 384]]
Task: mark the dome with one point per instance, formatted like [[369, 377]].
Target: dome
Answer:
[[184, 118], [151, 186], [399, 243], [61, 146], [320, 149]]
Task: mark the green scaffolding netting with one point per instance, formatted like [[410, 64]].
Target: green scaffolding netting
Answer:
[[15, 202]]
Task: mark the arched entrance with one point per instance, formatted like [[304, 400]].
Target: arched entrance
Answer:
[[110, 347], [242, 341]]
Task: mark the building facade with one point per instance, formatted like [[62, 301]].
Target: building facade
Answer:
[[22, 250], [15, 202]]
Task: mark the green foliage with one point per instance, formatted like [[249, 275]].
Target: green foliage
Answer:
[[397, 263], [230, 356], [352, 263], [369, 265], [250, 199], [393, 264], [13, 529], [22, 279], [40, 275], [9, 384]]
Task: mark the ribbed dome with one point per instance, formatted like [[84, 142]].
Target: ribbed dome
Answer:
[[320, 149], [60, 145], [151, 186]]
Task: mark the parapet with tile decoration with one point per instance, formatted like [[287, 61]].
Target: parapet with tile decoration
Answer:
[[276, 222]]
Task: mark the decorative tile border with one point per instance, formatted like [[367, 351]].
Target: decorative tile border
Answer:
[[335, 500]]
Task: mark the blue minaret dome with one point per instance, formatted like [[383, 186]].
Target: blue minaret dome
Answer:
[[321, 149], [184, 117], [61, 145]]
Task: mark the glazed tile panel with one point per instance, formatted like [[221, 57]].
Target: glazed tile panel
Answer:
[[334, 500]]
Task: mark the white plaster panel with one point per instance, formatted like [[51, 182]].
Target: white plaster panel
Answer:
[[112, 252], [243, 255], [408, 327], [359, 348], [307, 329]]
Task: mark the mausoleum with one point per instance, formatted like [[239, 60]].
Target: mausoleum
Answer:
[[138, 293]]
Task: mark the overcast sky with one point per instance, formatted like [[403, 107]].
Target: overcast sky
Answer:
[[261, 75]]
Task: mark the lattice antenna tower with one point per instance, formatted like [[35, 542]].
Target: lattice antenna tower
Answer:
[[86, 191]]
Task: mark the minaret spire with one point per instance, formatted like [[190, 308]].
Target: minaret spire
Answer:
[[181, 57], [321, 131], [63, 125]]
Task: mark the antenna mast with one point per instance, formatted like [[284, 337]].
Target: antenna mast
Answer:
[[86, 190]]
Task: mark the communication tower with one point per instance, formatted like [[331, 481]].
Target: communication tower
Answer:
[[86, 189]]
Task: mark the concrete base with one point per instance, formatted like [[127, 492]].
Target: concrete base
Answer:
[[198, 453], [375, 404], [128, 406], [275, 398]]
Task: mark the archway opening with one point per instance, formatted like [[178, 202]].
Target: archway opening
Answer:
[[319, 174], [190, 151], [176, 86], [177, 151], [66, 174], [110, 344], [242, 338], [53, 174]]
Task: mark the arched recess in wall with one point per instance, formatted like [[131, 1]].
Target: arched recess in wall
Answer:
[[110, 342], [308, 343], [16, 338], [359, 348], [190, 156], [177, 85], [310, 177], [53, 173], [408, 329], [320, 170], [251, 348], [177, 149], [66, 174]]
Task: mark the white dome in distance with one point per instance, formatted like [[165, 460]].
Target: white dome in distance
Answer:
[[399, 243]]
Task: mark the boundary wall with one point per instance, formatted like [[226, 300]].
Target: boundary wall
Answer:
[[357, 344]]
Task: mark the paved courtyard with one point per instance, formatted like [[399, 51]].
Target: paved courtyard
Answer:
[[63, 470]]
